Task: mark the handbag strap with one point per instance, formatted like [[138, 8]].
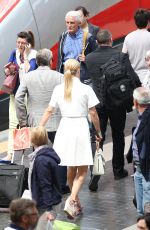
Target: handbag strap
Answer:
[[97, 146], [85, 33]]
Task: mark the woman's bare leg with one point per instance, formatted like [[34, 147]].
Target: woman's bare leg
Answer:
[[71, 174], [13, 121], [78, 181], [76, 177]]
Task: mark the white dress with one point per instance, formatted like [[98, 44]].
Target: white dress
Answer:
[[146, 82], [72, 140]]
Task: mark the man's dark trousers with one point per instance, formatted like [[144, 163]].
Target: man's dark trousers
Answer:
[[117, 118], [62, 169]]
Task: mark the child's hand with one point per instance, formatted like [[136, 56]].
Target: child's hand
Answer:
[[50, 216]]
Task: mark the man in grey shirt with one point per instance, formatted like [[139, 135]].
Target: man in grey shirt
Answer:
[[39, 85]]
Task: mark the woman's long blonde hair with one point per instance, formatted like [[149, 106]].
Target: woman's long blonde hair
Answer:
[[71, 68]]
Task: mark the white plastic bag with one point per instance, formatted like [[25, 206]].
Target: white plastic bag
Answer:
[[99, 163], [49, 225], [146, 81], [44, 223], [27, 194]]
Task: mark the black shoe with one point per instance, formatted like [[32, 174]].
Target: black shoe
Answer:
[[93, 185], [134, 201], [65, 190], [121, 175]]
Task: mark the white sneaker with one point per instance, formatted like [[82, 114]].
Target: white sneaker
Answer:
[[70, 208]]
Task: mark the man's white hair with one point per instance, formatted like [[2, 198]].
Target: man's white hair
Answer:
[[142, 96], [45, 54], [147, 54], [75, 14]]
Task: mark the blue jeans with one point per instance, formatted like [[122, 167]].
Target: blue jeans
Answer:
[[142, 191]]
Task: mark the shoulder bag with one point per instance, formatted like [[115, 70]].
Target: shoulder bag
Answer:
[[21, 138], [99, 162], [9, 83]]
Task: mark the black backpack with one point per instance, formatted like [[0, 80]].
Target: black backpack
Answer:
[[116, 84]]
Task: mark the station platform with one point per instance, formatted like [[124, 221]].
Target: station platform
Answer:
[[111, 207]]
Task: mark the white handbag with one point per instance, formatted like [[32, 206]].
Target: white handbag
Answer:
[[27, 194], [99, 162]]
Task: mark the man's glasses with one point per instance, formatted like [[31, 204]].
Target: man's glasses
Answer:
[[33, 214]]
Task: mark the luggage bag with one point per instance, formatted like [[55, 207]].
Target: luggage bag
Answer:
[[11, 183], [14, 176]]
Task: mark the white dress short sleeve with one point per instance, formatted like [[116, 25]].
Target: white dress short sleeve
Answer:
[[72, 141]]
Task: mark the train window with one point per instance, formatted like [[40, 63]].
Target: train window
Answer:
[[118, 43], [6, 6]]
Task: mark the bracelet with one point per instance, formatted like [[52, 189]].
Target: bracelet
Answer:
[[99, 134]]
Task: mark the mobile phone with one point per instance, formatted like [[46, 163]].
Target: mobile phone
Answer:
[[28, 46]]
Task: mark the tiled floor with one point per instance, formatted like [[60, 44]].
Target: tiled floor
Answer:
[[109, 208]]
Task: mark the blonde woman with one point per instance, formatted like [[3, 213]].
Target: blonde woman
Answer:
[[72, 140]]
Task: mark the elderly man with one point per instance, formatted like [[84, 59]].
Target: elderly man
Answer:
[[141, 148], [75, 44], [23, 214], [39, 85]]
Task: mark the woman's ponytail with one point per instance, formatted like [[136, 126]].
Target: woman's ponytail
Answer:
[[31, 39], [71, 68], [68, 85]]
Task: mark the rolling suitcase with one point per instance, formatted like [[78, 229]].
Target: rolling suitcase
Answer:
[[11, 183], [21, 158]]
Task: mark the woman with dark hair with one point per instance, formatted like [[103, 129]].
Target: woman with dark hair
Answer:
[[24, 56], [85, 25]]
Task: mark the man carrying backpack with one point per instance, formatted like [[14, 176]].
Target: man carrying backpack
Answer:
[[116, 114]]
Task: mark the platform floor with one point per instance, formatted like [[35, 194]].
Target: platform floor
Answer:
[[111, 207]]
